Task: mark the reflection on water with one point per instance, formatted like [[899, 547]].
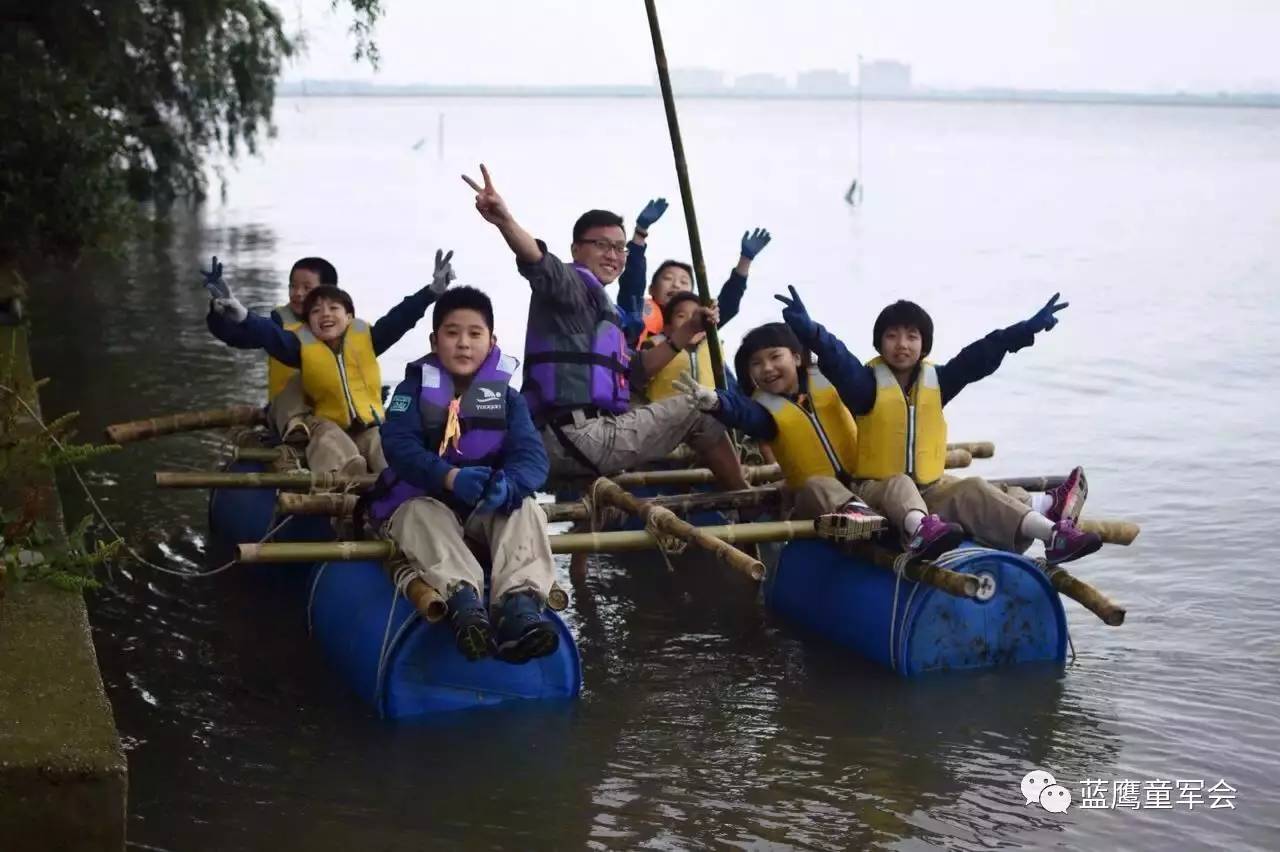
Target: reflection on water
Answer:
[[704, 722]]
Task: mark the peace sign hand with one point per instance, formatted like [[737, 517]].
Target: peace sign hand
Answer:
[[213, 282], [1044, 319], [488, 201], [797, 317]]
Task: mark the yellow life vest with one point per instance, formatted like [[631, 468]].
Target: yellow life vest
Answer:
[[818, 442], [343, 386], [279, 373], [696, 360], [900, 435]]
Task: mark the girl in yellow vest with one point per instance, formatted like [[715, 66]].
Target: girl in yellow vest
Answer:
[[680, 347], [897, 401], [792, 406]]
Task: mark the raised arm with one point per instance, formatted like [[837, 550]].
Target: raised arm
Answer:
[[397, 322], [494, 210], [730, 407], [854, 381], [731, 293], [631, 282], [263, 333], [983, 357]]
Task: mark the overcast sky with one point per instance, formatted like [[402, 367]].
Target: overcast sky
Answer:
[[1138, 45]]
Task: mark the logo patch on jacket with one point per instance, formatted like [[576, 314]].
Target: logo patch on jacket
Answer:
[[486, 399], [400, 402]]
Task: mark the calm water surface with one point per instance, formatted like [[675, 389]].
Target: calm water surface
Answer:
[[703, 722]]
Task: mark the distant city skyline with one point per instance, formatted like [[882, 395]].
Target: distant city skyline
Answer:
[[1140, 46]]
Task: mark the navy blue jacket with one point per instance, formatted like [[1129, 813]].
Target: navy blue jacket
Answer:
[[632, 283], [286, 348], [856, 382], [404, 443], [233, 333]]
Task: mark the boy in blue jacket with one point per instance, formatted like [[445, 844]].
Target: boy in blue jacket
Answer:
[[464, 462]]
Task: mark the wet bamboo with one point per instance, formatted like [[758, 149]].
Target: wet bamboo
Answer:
[[338, 505], [258, 454], [1112, 531], [977, 449], [686, 190], [1028, 483], [426, 599], [188, 421], [925, 573], [302, 481], [958, 458], [681, 504], [1111, 613], [665, 521]]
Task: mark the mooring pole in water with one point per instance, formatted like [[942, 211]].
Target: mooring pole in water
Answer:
[[686, 192]]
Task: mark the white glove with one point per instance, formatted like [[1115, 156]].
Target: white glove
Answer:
[[703, 399], [231, 308], [443, 274]]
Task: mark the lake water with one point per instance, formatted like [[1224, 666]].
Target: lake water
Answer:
[[704, 723]]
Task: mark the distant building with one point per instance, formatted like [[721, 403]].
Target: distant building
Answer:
[[885, 77], [823, 82], [696, 81], [760, 84]]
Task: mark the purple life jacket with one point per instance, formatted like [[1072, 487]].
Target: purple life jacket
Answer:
[[568, 371], [482, 413]]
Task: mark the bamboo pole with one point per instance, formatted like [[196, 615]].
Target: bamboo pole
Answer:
[[681, 504], [426, 599], [695, 476], [189, 421], [1112, 531], [666, 522], [959, 458], [1028, 483], [686, 191], [977, 449], [338, 505], [926, 573], [1111, 613], [257, 454], [302, 481]]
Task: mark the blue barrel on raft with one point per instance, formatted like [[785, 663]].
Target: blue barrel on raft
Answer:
[[912, 628], [406, 667], [246, 515]]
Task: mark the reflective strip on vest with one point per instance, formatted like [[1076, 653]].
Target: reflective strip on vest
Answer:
[[821, 442], [343, 386], [279, 373], [901, 435]]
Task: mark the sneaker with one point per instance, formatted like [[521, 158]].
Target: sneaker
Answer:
[[854, 521], [935, 537], [1069, 542], [523, 632], [1069, 497], [471, 629]]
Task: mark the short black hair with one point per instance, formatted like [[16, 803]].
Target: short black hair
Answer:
[[322, 268], [330, 293], [907, 315], [595, 219], [766, 336], [679, 298], [458, 298], [667, 264]]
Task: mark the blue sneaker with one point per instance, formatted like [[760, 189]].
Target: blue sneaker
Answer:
[[471, 629], [523, 632]]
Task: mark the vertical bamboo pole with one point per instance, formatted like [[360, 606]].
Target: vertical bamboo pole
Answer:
[[686, 192]]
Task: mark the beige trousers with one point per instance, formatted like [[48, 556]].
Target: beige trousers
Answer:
[[288, 404], [625, 441], [821, 495], [429, 533], [333, 449], [990, 516]]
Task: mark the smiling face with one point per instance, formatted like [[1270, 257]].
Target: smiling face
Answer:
[[900, 347], [775, 369], [462, 342], [683, 313], [328, 320], [670, 281], [301, 282], [603, 250]]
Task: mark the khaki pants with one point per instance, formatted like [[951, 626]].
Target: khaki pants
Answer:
[[334, 450], [429, 533], [988, 515], [821, 495], [287, 405], [625, 441]]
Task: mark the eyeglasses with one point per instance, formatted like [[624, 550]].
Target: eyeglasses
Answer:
[[603, 246]]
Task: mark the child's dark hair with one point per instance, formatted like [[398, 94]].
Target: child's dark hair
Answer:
[[322, 268], [330, 293], [669, 309], [595, 219], [459, 298], [766, 336], [907, 315], [667, 264]]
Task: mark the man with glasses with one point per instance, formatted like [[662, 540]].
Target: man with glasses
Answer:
[[576, 357]]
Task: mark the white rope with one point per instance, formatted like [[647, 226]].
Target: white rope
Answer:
[[899, 565], [311, 598], [405, 574], [102, 516]]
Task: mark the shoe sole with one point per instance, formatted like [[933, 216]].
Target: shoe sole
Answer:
[[950, 541], [473, 642], [1092, 547], [840, 528], [538, 642]]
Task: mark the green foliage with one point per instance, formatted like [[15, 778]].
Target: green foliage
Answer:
[[367, 14]]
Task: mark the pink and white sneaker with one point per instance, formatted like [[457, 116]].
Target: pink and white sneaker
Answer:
[[935, 537], [1069, 497], [1070, 543]]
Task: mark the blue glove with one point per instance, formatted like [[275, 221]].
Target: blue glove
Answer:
[[213, 282], [651, 213], [1044, 319], [469, 484], [797, 317], [498, 495], [753, 241]]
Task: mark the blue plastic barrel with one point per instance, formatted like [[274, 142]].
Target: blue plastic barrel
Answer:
[[913, 628], [245, 515], [406, 667]]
